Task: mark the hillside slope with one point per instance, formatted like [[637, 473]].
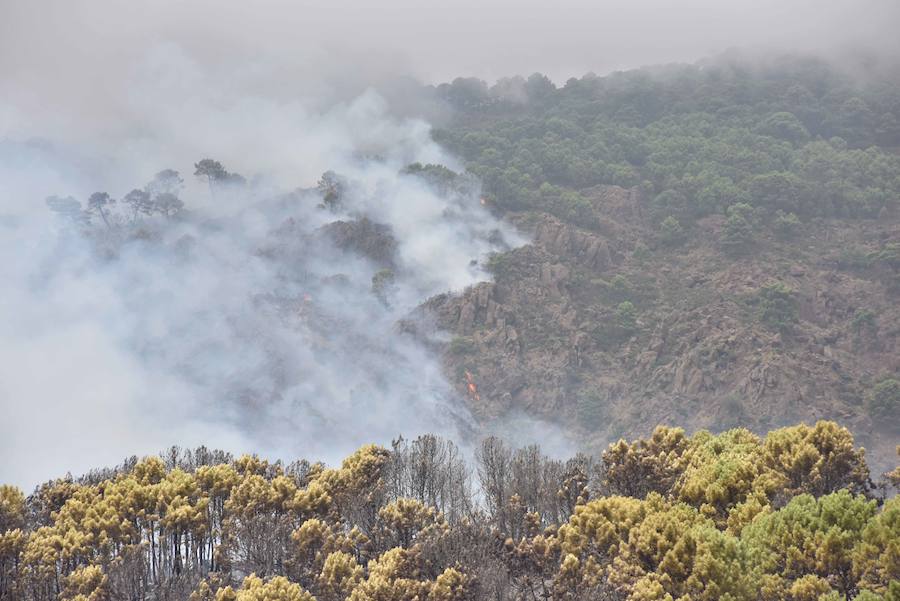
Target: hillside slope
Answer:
[[699, 255], [546, 336]]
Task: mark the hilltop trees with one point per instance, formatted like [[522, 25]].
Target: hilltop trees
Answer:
[[784, 125], [211, 170], [160, 196], [167, 204], [68, 208], [332, 188], [688, 138], [707, 517], [167, 181], [140, 202], [99, 203], [216, 175], [12, 538]]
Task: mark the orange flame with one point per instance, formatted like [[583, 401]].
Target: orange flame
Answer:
[[470, 384]]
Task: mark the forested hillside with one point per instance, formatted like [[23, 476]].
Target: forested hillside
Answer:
[[791, 516], [712, 245], [702, 260]]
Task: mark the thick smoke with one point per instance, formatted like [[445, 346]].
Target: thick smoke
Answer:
[[253, 321], [307, 49]]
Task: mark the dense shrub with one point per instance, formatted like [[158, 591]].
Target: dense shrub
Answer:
[[883, 402], [777, 306], [670, 231], [786, 225], [793, 139]]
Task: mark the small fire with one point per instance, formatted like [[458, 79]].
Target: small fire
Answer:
[[470, 384], [307, 298], [483, 201]]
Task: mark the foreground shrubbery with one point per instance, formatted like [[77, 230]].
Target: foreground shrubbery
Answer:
[[729, 516]]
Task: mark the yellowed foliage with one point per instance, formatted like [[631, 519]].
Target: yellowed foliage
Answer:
[[808, 588], [12, 508], [817, 460], [254, 588], [217, 480], [450, 585], [88, 583], [339, 576]]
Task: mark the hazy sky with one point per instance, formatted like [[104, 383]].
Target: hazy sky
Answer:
[[435, 40], [78, 52]]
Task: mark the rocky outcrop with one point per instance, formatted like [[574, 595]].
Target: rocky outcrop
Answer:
[[587, 249], [544, 337]]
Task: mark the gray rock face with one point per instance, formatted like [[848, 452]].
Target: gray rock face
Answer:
[[542, 337]]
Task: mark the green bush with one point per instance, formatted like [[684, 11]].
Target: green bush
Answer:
[[853, 257], [864, 319], [619, 286], [785, 126], [383, 283], [640, 252], [742, 209], [670, 231], [498, 263], [626, 318], [462, 345], [888, 255], [670, 202], [778, 306], [785, 225], [621, 326], [737, 235], [591, 410], [883, 402]]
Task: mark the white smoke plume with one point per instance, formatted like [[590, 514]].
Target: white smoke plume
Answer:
[[198, 330], [241, 325]]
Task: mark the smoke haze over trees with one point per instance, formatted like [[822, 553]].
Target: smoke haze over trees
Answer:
[[250, 321], [136, 314], [296, 230]]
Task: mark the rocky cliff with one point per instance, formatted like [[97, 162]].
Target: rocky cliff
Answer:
[[550, 335]]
